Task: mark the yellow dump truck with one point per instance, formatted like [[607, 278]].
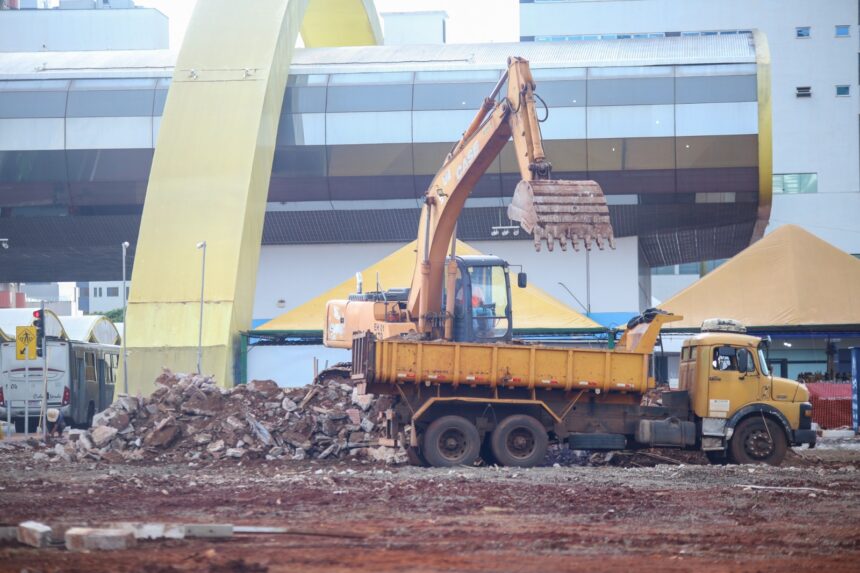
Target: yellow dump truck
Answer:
[[505, 402]]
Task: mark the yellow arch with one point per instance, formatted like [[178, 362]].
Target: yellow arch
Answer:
[[210, 176]]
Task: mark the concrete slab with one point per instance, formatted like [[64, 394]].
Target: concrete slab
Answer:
[[211, 530], [34, 534], [152, 530], [90, 539]]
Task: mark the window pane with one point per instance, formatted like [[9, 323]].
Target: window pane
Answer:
[[304, 99], [111, 103], [795, 183], [370, 98], [843, 90], [369, 128], [467, 96], [803, 32], [843, 31]]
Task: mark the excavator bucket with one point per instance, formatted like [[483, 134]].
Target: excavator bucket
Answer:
[[562, 210]]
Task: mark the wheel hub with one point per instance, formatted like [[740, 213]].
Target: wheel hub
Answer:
[[520, 443], [452, 444], [759, 444]]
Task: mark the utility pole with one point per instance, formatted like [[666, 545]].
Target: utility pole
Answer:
[[124, 323], [201, 245]]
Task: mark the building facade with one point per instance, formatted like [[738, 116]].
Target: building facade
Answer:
[[814, 81], [84, 25], [669, 127]]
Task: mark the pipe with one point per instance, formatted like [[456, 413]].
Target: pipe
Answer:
[[450, 287]]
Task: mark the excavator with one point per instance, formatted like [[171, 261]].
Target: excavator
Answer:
[[467, 298]]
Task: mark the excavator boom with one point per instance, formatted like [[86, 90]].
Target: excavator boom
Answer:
[[551, 210]]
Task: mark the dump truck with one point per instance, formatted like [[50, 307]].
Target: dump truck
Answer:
[[505, 403]]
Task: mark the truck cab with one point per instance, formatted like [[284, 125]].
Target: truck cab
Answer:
[[746, 414]]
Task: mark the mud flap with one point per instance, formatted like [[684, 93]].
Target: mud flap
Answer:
[[558, 210]]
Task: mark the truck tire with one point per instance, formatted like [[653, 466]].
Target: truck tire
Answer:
[[451, 441], [758, 440], [519, 441]]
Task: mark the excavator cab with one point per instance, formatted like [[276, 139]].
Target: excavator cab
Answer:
[[482, 300]]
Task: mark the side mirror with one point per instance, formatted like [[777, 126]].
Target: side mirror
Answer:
[[522, 280], [744, 360]]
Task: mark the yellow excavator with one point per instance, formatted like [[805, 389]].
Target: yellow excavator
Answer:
[[551, 210]]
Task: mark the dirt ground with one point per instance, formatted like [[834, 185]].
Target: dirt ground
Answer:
[[348, 516]]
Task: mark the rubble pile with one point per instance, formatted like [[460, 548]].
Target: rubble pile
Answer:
[[188, 417]]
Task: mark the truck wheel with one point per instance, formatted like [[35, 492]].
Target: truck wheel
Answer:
[[520, 441], [758, 440], [451, 441]]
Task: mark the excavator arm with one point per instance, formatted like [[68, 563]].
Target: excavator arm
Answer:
[[548, 209]]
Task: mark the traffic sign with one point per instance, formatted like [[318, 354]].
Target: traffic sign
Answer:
[[25, 342]]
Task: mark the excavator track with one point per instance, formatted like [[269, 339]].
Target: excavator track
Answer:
[[563, 211]]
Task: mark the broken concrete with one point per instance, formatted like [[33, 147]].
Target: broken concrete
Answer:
[[188, 417], [34, 534], [91, 539], [209, 530]]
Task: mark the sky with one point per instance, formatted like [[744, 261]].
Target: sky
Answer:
[[469, 21]]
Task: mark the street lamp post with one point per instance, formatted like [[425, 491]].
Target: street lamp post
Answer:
[[201, 245], [124, 322]]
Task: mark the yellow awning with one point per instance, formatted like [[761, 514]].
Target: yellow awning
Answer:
[[533, 308], [788, 278]]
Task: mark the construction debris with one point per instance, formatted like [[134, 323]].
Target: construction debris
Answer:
[[90, 539], [188, 417], [34, 533]]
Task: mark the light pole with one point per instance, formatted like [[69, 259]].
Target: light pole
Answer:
[[124, 323], [201, 245]]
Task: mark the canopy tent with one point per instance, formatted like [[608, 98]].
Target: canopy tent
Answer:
[[10, 318], [533, 309], [790, 278], [92, 328]]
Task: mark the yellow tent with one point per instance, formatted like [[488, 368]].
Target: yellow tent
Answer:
[[788, 278], [533, 308]]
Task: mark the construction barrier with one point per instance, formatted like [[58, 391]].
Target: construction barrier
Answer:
[[831, 404]]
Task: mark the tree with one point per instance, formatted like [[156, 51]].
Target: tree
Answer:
[[115, 315]]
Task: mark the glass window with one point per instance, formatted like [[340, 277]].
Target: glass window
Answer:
[[795, 183], [843, 91], [843, 31], [371, 78], [369, 127], [301, 129], [91, 366], [467, 96], [113, 291], [396, 97], [669, 270], [489, 301], [688, 269], [30, 99], [301, 99], [803, 32], [111, 103]]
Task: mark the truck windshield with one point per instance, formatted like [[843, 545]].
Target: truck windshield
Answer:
[[762, 360], [489, 301]]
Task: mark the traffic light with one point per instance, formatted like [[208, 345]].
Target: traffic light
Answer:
[[39, 323]]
